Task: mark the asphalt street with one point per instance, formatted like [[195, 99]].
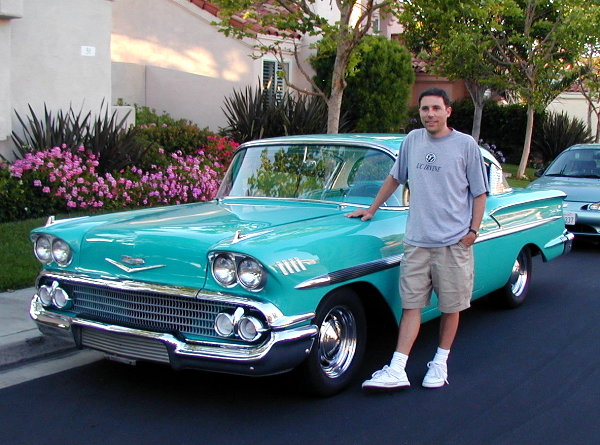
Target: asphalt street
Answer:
[[524, 376]]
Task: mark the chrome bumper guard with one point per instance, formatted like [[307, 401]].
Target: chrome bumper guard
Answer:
[[566, 239], [283, 350]]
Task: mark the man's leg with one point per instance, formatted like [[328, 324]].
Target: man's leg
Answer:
[[448, 329], [410, 324]]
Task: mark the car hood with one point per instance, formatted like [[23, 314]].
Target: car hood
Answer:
[[577, 189], [171, 243]]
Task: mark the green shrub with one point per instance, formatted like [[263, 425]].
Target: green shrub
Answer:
[[559, 131], [249, 116], [104, 135], [378, 87]]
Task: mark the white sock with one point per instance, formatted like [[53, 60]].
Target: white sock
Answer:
[[398, 362], [441, 356]]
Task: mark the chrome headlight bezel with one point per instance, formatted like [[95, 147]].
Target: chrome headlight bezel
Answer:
[[42, 249], [243, 270], [223, 269], [61, 252], [50, 249]]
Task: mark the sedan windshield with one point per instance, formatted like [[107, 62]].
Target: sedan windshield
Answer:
[[309, 171], [576, 163]]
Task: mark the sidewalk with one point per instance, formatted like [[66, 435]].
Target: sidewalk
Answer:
[[20, 339]]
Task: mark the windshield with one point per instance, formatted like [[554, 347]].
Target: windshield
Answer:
[[308, 171], [576, 163]]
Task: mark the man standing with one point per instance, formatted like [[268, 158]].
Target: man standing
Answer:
[[448, 188]]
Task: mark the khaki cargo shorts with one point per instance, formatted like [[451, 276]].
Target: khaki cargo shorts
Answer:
[[446, 270]]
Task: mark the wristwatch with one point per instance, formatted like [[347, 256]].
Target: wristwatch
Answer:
[[473, 231]]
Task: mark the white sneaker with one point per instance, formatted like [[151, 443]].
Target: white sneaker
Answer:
[[437, 375], [387, 378]]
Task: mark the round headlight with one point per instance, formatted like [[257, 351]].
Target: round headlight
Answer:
[[61, 252], [224, 270], [249, 328], [45, 294], [43, 249], [250, 273], [224, 324], [61, 299]]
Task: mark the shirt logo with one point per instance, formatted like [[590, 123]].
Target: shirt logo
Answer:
[[430, 158]]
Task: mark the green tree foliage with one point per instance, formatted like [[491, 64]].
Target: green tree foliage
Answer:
[[536, 43], [345, 24], [378, 84]]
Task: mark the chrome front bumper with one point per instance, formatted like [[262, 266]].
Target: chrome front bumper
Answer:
[[283, 350]]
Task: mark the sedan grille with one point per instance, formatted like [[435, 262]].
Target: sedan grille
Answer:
[[147, 310]]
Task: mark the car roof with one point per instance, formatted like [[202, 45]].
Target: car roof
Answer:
[[390, 142], [583, 147]]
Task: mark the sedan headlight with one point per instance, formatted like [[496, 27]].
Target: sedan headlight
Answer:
[[43, 249], [229, 269], [223, 268], [61, 252], [594, 206], [250, 273]]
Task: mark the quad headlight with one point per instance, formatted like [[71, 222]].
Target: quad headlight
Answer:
[[48, 249], [43, 249], [229, 269], [239, 324], [54, 295]]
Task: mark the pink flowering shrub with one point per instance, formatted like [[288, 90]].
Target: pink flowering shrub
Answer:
[[65, 179]]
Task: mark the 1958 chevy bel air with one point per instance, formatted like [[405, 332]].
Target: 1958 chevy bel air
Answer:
[[270, 276]]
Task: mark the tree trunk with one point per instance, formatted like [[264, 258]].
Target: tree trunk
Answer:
[[527, 144], [477, 92], [338, 84]]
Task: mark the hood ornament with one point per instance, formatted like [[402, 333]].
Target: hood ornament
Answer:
[[238, 236], [132, 261]]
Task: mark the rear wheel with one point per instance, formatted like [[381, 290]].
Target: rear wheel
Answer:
[[340, 344], [515, 290]]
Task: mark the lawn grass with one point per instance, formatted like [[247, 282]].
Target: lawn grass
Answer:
[[18, 265], [512, 169]]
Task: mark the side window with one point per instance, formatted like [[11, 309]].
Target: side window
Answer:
[[273, 81]]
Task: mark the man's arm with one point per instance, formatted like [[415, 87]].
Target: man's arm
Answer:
[[389, 186], [478, 210]]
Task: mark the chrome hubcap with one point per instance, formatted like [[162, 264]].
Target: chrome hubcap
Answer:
[[519, 276], [337, 341]]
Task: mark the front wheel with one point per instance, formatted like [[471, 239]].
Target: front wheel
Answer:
[[515, 290], [340, 344]]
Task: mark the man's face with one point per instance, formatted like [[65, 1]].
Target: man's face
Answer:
[[434, 115]]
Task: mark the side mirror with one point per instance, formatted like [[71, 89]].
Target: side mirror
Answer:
[[539, 172]]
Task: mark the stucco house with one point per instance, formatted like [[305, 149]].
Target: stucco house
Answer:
[[164, 54]]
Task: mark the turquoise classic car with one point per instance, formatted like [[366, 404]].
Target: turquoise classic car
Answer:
[[270, 276]]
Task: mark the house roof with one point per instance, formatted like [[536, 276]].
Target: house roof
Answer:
[[269, 6]]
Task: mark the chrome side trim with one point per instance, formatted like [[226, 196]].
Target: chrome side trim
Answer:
[[541, 198], [518, 228], [275, 318], [351, 273]]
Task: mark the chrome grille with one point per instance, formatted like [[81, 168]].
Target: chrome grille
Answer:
[[125, 345], [147, 310]]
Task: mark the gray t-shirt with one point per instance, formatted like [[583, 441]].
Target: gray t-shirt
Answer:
[[444, 175]]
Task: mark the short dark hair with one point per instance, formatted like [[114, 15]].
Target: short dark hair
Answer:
[[436, 92]]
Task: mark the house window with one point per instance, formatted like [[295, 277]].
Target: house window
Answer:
[[274, 86]]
